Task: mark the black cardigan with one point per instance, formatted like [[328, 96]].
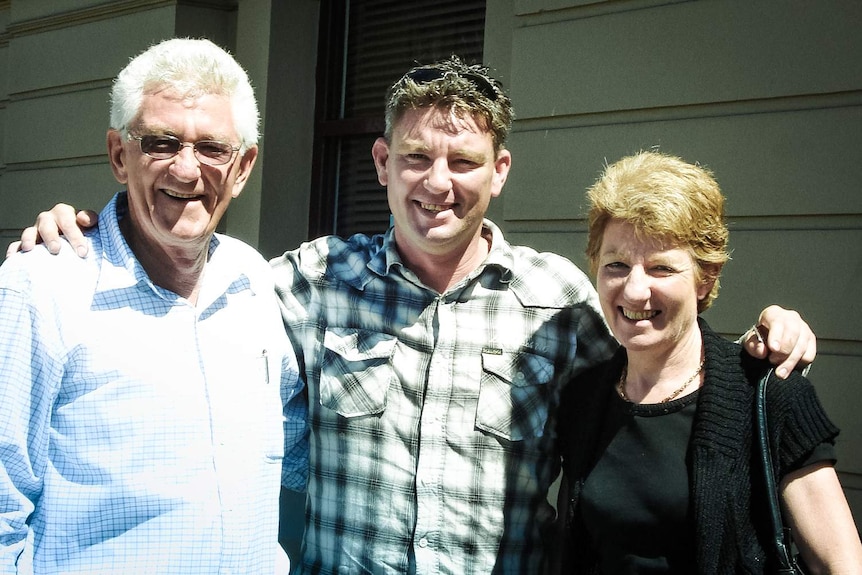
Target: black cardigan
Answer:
[[727, 503]]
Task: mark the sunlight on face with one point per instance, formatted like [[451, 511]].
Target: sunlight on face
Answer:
[[178, 200], [648, 291], [441, 173]]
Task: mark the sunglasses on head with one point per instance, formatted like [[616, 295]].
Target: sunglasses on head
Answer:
[[425, 75]]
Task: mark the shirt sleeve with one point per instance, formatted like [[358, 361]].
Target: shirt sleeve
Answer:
[[797, 418], [823, 453], [28, 374], [294, 471]]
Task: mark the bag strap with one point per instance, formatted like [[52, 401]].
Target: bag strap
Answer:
[[780, 535]]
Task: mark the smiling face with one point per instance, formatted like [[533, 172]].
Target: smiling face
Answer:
[[648, 292], [441, 173], [179, 201]]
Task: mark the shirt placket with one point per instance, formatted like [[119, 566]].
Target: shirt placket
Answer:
[[430, 519]]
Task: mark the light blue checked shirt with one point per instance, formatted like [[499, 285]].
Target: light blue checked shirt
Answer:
[[432, 415], [140, 433]]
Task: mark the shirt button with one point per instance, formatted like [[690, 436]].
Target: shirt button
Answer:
[[423, 543]]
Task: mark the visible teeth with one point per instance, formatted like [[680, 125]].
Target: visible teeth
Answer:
[[433, 207], [639, 315], [180, 196]]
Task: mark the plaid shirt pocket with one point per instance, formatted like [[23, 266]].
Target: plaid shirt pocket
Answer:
[[356, 371], [514, 395]]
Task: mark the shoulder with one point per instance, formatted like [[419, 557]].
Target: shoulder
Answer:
[[242, 257], [39, 268], [324, 255], [791, 403], [545, 278], [580, 393], [584, 402], [796, 394], [50, 287], [236, 248]]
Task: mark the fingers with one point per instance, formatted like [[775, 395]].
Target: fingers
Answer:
[[789, 339], [87, 219], [61, 219], [29, 238], [789, 354], [45, 231], [13, 248], [84, 219], [754, 343]]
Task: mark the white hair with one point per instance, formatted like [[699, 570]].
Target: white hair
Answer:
[[190, 68]]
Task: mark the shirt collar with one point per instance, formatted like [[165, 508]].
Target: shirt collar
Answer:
[[122, 270], [386, 257]]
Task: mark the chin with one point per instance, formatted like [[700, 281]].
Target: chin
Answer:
[[637, 341], [191, 233]]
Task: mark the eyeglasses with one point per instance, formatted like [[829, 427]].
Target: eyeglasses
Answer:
[[425, 75], [164, 147]]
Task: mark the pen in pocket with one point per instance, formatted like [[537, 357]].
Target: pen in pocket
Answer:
[[265, 359]]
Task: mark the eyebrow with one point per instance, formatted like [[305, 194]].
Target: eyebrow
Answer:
[[417, 147], [159, 129]]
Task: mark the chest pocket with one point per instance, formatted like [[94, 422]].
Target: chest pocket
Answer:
[[514, 394], [356, 371]]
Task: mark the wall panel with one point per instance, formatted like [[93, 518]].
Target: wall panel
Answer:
[[77, 54], [767, 94], [684, 54], [28, 192], [794, 162]]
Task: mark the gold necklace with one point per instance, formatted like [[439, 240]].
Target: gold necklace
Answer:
[[621, 384]]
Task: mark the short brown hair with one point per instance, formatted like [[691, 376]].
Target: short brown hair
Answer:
[[454, 86]]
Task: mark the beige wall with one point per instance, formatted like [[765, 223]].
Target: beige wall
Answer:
[[767, 94]]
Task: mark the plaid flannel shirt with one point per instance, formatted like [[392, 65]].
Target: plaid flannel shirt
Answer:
[[432, 415]]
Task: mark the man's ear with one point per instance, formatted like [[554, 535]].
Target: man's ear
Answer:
[[246, 163], [117, 156], [380, 153], [501, 171]]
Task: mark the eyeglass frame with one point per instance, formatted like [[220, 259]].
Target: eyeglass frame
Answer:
[[199, 156]]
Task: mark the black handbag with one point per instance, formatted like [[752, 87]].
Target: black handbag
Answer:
[[781, 538]]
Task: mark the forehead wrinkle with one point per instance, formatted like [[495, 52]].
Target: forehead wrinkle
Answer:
[[160, 129], [197, 115], [654, 248]]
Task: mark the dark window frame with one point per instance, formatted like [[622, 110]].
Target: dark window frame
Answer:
[[364, 46]]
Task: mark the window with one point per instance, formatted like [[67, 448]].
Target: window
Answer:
[[365, 46]]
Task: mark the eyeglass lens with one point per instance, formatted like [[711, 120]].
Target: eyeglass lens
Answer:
[[210, 152]]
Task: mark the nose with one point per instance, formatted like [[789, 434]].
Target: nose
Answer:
[[439, 179], [637, 287], [185, 166]]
